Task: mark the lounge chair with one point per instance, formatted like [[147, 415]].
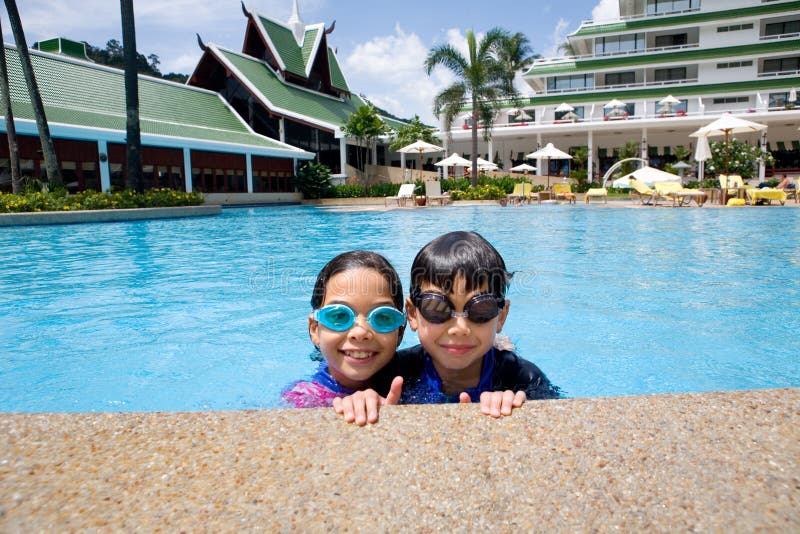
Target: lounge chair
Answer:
[[564, 191], [767, 194], [675, 191], [520, 194], [433, 193], [640, 191], [597, 192], [731, 185], [405, 194]]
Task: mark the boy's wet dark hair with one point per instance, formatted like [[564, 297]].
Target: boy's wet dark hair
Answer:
[[465, 254], [358, 259]]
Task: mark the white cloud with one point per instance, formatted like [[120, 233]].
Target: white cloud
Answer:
[[557, 38], [605, 10]]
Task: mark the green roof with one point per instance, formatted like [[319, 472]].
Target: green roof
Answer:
[[751, 86], [59, 45], [288, 98], [683, 20], [337, 77], [285, 46], [696, 54], [85, 95]]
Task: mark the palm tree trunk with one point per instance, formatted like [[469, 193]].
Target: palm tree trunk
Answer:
[[48, 149], [474, 155], [134, 136], [11, 130]]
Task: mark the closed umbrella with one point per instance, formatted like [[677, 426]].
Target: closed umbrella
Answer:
[[726, 125], [420, 147], [701, 154], [548, 152]]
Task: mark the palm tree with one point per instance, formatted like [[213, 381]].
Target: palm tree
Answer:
[[365, 126], [48, 149], [481, 84], [516, 55], [11, 130], [134, 136]]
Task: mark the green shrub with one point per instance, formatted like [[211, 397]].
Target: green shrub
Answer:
[[92, 200], [482, 192], [313, 180]]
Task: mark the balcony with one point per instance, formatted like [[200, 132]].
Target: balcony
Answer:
[[639, 85], [553, 61]]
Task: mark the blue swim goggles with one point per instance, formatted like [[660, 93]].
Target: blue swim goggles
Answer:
[[338, 317]]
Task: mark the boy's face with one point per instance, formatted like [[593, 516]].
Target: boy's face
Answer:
[[456, 346], [355, 355]]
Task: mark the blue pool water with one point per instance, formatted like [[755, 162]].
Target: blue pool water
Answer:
[[210, 313]]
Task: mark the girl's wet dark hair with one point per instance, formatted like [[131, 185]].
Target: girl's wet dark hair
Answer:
[[465, 254], [358, 259]]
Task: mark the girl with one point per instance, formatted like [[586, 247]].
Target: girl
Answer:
[[457, 305], [357, 323]]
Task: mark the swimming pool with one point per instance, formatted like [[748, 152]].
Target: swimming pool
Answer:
[[210, 313]]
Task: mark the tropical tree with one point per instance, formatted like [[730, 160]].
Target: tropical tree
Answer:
[[516, 55], [11, 130], [742, 158], [411, 131], [48, 148], [631, 149], [133, 144], [365, 126], [482, 84]]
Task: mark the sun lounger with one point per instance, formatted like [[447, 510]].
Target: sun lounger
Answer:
[[596, 192], [680, 197], [405, 194], [433, 193], [520, 194], [767, 194], [564, 191], [640, 191]]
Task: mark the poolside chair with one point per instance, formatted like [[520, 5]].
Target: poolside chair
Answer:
[[731, 185], [564, 191], [517, 196], [678, 194], [405, 194], [596, 192], [433, 193], [640, 191]]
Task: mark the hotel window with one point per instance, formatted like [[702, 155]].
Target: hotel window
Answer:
[[578, 81], [786, 64], [734, 64], [673, 74], [676, 39], [620, 78], [735, 27], [780, 100], [731, 100], [781, 28], [620, 43], [659, 7]]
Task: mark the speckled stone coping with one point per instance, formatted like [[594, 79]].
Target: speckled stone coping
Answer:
[[91, 216], [718, 462]]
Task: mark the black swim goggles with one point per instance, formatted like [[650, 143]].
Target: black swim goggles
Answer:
[[438, 309], [339, 317]]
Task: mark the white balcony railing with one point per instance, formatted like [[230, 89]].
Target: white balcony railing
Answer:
[[599, 22], [779, 73], [637, 85], [642, 51]]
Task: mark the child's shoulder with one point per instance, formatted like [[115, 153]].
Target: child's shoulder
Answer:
[[515, 372]]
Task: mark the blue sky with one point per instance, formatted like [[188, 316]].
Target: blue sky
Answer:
[[380, 44]]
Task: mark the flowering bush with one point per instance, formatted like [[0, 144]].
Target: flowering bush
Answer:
[[742, 158], [482, 192], [92, 200]]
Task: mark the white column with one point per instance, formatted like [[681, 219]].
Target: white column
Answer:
[[644, 144], [105, 171], [761, 167], [539, 169], [187, 169], [403, 162], [374, 154], [491, 151], [281, 130], [248, 158], [343, 155], [590, 159]]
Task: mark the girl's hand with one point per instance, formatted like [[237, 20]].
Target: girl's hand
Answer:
[[362, 406], [497, 403]]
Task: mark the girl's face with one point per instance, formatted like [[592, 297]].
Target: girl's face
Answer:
[[456, 346], [355, 355]]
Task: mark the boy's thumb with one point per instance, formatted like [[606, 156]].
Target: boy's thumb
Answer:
[[394, 391]]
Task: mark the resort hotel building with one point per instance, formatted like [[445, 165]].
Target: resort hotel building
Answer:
[[660, 71], [243, 122]]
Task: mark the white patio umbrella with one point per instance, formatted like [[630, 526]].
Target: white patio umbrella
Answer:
[[523, 167], [615, 104], [564, 107], [701, 154], [647, 175], [680, 167], [667, 102], [548, 152], [420, 147], [520, 114], [485, 165], [726, 125], [570, 115], [454, 160]]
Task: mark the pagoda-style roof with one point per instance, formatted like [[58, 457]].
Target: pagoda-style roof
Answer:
[[81, 97], [280, 97]]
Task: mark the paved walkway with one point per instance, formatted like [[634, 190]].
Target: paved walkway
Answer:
[[717, 462]]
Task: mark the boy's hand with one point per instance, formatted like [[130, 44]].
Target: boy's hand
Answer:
[[362, 406], [497, 403]]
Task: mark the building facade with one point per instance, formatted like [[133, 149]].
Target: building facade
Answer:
[[660, 71]]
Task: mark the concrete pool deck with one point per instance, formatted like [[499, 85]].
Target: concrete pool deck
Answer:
[[720, 462]]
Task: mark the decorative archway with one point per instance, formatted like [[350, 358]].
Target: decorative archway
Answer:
[[617, 165]]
